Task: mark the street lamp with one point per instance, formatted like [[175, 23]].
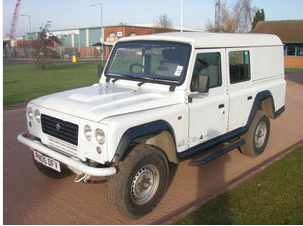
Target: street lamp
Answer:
[[181, 15], [217, 15], [29, 21], [101, 39]]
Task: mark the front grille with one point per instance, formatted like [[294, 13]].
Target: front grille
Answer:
[[60, 129]]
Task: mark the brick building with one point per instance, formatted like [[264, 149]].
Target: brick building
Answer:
[[113, 33], [291, 34]]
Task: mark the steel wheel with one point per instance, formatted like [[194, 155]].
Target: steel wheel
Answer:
[[140, 183], [145, 184], [256, 137], [260, 134]]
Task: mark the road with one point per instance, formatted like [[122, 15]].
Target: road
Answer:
[[31, 198], [17, 61]]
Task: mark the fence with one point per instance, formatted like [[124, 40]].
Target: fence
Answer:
[[24, 49]]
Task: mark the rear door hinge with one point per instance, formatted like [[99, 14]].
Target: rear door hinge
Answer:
[[188, 140]]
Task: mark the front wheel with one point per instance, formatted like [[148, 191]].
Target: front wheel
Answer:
[[140, 183], [256, 137]]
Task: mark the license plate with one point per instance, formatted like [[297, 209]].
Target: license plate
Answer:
[[51, 163]]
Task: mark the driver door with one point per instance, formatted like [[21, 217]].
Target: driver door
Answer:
[[208, 112]]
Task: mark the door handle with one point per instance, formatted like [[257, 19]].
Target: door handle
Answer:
[[221, 106], [249, 97]]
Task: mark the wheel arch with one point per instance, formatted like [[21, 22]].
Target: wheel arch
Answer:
[[159, 134], [266, 105], [263, 101]]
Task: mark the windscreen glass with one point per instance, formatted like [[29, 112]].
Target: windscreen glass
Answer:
[[149, 61]]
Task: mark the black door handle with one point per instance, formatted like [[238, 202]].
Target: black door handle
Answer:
[[221, 106], [249, 98]]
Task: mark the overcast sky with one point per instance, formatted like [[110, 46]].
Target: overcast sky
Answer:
[[79, 13]]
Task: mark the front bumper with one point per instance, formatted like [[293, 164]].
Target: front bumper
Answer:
[[72, 162]]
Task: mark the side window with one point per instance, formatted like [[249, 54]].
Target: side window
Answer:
[[239, 66], [207, 64]]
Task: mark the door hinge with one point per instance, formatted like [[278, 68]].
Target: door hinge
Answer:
[[188, 140], [186, 99]]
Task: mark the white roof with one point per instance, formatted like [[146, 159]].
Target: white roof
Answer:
[[210, 40]]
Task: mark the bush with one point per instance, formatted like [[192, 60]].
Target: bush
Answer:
[[96, 52]]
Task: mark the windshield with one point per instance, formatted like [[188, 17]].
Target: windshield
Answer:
[[149, 61]]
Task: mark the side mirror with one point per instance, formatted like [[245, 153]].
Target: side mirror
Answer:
[[203, 83], [100, 70]]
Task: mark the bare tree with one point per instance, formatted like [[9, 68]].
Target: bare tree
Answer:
[[245, 15], [226, 20], [236, 18], [165, 22], [210, 26]]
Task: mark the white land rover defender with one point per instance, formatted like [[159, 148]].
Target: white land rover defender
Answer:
[[161, 99]]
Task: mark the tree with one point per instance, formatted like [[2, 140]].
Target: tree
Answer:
[[236, 18], [44, 47], [259, 16], [165, 22], [245, 14]]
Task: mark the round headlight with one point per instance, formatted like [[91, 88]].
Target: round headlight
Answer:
[[30, 113], [100, 136], [37, 116], [88, 132]]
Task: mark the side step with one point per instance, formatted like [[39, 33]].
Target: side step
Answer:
[[217, 153]]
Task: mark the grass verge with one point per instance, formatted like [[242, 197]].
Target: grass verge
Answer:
[[274, 196], [22, 83], [292, 69]]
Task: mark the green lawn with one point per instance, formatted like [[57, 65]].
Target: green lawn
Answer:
[[22, 83], [292, 69], [274, 196]]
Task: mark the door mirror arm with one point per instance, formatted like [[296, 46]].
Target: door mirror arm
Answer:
[[100, 70]]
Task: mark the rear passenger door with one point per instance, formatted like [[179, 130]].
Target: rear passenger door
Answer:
[[240, 89]]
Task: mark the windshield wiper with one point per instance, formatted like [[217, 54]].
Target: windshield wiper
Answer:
[[140, 84], [114, 80], [117, 77], [142, 80]]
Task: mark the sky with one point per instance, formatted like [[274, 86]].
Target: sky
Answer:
[[66, 14]]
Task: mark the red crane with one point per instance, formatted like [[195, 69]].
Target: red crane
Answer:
[[14, 22]]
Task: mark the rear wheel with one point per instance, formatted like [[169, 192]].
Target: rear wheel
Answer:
[[140, 183], [256, 137], [50, 172]]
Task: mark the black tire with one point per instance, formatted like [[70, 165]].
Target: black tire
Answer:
[[256, 137], [140, 183], [50, 172]]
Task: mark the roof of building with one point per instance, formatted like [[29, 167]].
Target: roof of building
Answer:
[[210, 40], [287, 30], [159, 26], [150, 26]]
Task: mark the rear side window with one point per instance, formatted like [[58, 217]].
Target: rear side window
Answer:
[[239, 66]]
